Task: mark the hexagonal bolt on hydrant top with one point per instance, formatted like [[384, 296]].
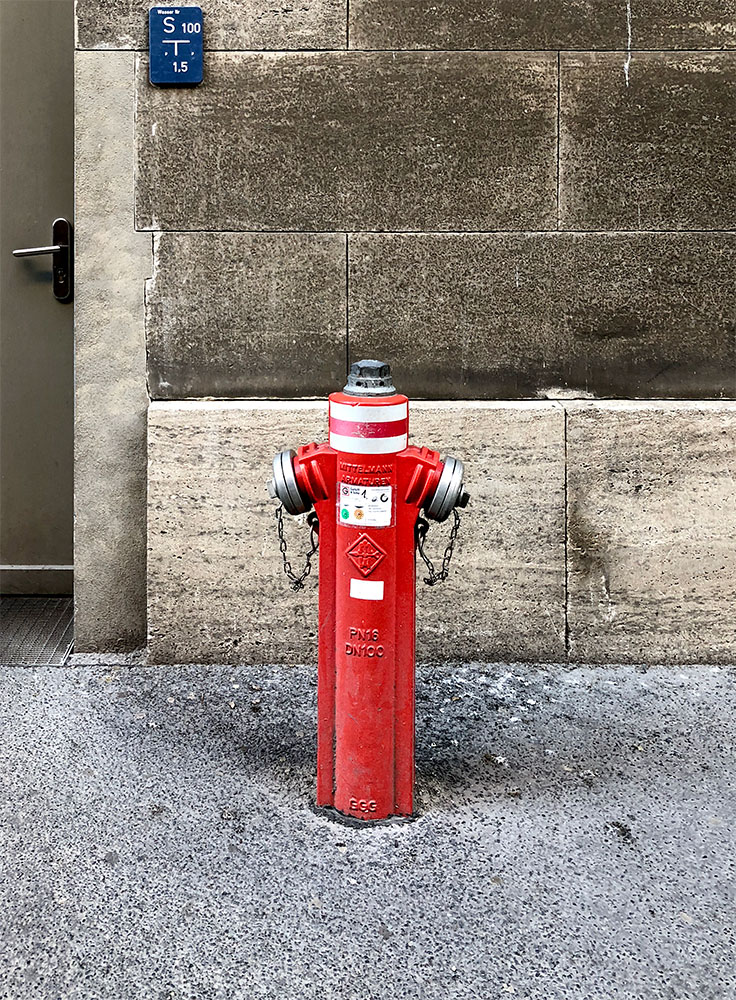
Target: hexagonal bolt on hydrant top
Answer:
[[367, 487]]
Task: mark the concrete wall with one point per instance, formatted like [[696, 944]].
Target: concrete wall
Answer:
[[112, 263], [506, 203]]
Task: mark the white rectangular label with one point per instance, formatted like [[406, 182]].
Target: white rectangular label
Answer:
[[364, 506], [367, 590]]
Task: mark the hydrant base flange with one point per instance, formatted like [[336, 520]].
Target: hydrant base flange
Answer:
[[345, 819]]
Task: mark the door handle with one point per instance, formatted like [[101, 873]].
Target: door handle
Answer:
[[61, 266], [35, 251]]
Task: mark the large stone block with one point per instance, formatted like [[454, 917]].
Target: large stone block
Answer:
[[508, 315], [552, 24], [216, 588], [651, 532], [681, 24], [217, 591], [112, 264], [228, 24], [504, 599], [352, 141], [647, 142], [238, 314]]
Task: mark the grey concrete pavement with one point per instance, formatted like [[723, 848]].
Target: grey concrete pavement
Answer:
[[576, 839]]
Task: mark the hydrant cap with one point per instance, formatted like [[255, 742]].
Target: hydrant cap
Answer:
[[370, 378]]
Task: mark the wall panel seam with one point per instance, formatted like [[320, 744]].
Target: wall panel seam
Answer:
[[448, 232], [347, 303], [559, 84], [566, 538], [444, 51]]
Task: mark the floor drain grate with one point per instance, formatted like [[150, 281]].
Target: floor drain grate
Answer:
[[35, 630]]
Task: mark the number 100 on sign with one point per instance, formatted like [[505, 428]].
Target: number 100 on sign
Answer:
[[175, 45]]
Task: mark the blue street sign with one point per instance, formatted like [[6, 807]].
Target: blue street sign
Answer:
[[175, 45]]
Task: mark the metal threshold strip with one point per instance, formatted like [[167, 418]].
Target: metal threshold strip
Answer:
[[36, 630]]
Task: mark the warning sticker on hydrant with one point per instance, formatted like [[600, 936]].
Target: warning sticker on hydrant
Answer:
[[364, 506]]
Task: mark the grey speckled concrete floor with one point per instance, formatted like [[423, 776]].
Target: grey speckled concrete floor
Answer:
[[576, 839]]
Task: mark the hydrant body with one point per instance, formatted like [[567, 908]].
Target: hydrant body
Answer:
[[367, 487]]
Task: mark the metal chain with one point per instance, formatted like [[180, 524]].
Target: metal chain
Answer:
[[297, 582], [421, 533], [422, 528]]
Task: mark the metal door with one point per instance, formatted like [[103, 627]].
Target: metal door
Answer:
[[36, 330]]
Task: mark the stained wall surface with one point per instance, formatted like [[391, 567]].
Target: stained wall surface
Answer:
[[532, 198], [508, 201]]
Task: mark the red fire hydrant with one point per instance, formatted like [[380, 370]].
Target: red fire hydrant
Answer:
[[367, 487]]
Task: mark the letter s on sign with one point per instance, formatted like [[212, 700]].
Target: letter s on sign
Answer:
[[169, 25]]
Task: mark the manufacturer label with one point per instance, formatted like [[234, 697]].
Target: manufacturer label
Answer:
[[364, 506], [365, 475]]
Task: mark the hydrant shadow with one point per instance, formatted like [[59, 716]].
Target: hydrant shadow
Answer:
[[485, 733], [490, 733], [251, 725]]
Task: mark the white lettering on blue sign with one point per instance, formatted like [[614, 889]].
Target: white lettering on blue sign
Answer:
[[176, 46]]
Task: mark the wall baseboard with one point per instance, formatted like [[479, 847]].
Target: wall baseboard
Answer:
[[36, 580]]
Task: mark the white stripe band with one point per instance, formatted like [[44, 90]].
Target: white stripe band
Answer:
[[367, 590], [369, 414], [368, 446]]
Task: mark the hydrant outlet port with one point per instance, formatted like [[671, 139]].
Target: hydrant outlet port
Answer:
[[450, 492], [284, 486]]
